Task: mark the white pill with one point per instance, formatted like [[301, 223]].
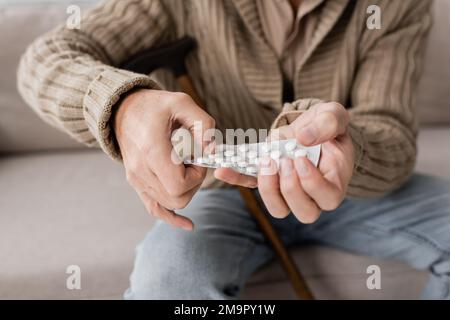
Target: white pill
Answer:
[[212, 156], [275, 145], [266, 147], [242, 164], [201, 160], [290, 146], [229, 153], [219, 160], [254, 161], [236, 159], [226, 165], [291, 154], [275, 155], [243, 148], [252, 154], [300, 153], [252, 170]]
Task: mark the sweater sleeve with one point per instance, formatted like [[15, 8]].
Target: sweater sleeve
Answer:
[[70, 77], [383, 123]]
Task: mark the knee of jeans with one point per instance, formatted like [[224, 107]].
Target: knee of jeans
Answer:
[[168, 270]]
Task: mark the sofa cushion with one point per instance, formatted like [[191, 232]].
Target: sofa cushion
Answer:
[[433, 92], [57, 210], [20, 23], [434, 151]]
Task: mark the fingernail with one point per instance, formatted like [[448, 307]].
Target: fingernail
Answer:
[[286, 167], [301, 167], [308, 136], [187, 227], [253, 185]]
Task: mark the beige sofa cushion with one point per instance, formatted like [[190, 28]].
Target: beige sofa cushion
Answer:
[[434, 89], [20, 23]]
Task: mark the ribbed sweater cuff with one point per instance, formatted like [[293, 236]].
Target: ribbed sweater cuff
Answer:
[[102, 95], [292, 110]]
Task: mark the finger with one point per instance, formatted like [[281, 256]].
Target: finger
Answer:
[[269, 189], [328, 122], [301, 205], [176, 178], [327, 196], [340, 161], [281, 133], [168, 216], [194, 118], [150, 183], [235, 178]]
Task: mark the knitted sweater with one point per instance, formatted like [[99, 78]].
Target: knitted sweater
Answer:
[[72, 80]]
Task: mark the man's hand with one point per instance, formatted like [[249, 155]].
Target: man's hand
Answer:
[[297, 186], [143, 126]]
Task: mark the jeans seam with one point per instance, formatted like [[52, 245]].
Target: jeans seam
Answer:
[[407, 233], [422, 240]]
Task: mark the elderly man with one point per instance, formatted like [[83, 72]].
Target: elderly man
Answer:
[[312, 69]]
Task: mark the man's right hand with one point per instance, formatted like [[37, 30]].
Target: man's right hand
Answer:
[[143, 125]]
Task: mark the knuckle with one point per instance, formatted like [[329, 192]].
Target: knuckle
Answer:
[[181, 97], [337, 106], [252, 184], [287, 186], [340, 109], [297, 129], [131, 177], [330, 120], [153, 210], [209, 122], [132, 166], [341, 161], [179, 203], [145, 150], [334, 201], [310, 216], [337, 159], [263, 186], [175, 190]]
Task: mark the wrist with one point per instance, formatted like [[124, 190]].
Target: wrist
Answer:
[[125, 102]]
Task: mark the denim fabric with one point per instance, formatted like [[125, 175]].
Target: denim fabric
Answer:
[[411, 224]]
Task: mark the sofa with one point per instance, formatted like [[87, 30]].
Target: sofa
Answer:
[[62, 204]]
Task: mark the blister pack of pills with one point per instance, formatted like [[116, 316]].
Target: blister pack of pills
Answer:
[[245, 158]]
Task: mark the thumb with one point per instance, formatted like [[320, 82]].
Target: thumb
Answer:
[[324, 127], [193, 118]]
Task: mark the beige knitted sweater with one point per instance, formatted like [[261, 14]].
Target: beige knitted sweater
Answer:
[[71, 77]]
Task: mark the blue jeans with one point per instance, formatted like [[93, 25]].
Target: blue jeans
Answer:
[[411, 224]]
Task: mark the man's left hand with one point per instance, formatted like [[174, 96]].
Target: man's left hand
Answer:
[[297, 186]]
